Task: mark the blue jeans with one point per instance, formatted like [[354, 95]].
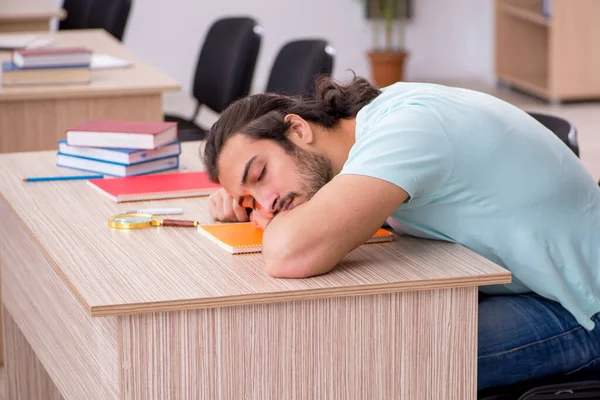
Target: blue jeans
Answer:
[[524, 337]]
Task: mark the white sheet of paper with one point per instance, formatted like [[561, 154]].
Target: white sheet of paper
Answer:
[[11, 42], [102, 61], [39, 43]]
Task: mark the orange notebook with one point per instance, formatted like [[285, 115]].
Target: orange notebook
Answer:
[[239, 238], [152, 187]]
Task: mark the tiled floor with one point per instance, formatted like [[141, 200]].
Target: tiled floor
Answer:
[[585, 116]]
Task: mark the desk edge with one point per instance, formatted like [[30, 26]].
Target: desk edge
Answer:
[[60, 14], [86, 93], [299, 295], [261, 298]]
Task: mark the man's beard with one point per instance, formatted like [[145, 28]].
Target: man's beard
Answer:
[[315, 171]]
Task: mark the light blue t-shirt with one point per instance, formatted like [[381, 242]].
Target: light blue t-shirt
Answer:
[[482, 173]]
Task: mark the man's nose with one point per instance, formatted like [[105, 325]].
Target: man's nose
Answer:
[[267, 205]]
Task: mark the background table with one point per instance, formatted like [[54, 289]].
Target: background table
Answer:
[[28, 15], [96, 313], [36, 117]]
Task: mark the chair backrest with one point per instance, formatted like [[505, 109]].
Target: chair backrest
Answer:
[[78, 14], [298, 64], [561, 128], [110, 15], [227, 61]]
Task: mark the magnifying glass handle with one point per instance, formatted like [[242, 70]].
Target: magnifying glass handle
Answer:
[[179, 222]]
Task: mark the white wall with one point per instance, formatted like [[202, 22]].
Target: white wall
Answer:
[[174, 48], [452, 40], [447, 39]]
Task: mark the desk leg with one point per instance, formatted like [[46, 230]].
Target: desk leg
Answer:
[[26, 377], [414, 345]]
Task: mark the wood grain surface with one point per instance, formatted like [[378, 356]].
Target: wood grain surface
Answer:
[[79, 353], [29, 10], [26, 377], [14, 26], [574, 53], [54, 116], [114, 272], [416, 345]]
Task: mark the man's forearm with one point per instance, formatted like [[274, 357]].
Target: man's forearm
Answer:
[[293, 249]]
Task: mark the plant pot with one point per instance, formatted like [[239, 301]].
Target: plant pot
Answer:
[[387, 67]]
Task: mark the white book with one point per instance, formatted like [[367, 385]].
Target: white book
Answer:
[[106, 61], [108, 168], [119, 156], [123, 134], [52, 57]]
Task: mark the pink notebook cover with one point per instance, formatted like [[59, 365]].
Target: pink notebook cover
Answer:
[[151, 187], [136, 127]]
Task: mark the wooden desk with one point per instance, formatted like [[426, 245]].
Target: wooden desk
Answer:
[[28, 15], [162, 313], [36, 117]]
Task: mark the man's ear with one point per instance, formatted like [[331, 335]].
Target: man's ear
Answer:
[[301, 133]]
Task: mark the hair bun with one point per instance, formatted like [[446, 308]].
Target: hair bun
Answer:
[[343, 100]]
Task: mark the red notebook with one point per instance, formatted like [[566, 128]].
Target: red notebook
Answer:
[[151, 187], [122, 134]]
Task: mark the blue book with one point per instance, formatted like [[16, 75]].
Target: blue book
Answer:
[[114, 169], [119, 156], [10, 66], [546, 9]]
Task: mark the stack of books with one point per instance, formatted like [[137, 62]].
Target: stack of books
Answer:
[[50, 66], [121, 148]]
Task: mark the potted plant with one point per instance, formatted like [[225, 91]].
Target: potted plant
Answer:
[[387, 57]]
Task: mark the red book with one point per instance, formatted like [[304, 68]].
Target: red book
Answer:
[[52, 57], [122, 134], [152, 187]]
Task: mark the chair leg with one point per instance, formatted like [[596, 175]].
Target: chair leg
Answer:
[[196, 112]]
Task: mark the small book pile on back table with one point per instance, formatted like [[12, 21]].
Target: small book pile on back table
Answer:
[[49, 66]]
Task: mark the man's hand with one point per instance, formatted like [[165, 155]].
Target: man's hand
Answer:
[[259, 220], [225, 208]]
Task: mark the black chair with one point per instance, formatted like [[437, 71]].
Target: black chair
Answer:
[[297, 65], [110, 15], [78, 14], [583, 385], [561, 128], [224, 71]]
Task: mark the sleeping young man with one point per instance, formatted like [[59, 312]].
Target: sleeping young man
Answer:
[[434, 162]]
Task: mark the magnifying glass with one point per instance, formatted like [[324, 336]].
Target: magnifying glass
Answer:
[[136, 220]]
